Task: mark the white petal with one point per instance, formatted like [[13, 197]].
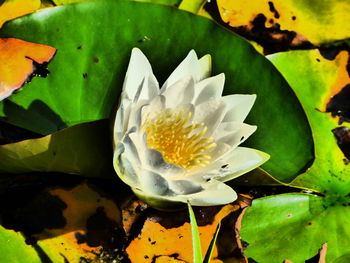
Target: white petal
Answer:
[[118, 130], [209, 89], [154, 183], [156, 105], [124, 168], [233, 133], [128, 172], [235, 163], [154, 160], [179, 93], [189, 66], [238, 107], [148, 89], [139, 69], [204, 67], [219, 150], [184, 187], [210, 113], [136, 113], [213, 193], [131, 151]]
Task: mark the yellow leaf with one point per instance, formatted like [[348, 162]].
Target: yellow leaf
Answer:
[[319, 21], [11, 9]]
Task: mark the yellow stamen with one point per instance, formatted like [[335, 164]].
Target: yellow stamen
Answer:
[[180, 142]]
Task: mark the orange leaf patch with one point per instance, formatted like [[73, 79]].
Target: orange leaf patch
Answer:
[[21, 60], [166, 237]]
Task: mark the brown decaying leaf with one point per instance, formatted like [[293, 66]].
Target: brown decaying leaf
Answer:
[[90, 219], [131, 213], [342, 74], [281, 17], [166, 236]]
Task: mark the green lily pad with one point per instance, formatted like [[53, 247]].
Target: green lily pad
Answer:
[[294, 227], [315, 81], [82, 149], [88, 70], [12, 243]]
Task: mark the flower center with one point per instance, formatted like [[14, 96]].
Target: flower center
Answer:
[[180, 142]]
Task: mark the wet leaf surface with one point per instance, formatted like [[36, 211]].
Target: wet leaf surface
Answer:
[[20, 62]]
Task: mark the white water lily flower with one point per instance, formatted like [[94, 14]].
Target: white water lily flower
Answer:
[[180, 143]]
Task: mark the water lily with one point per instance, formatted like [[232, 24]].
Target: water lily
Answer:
[[180, 143]]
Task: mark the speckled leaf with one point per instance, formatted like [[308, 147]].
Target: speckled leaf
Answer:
[[317, 21], [89, 67], [295, 226], [20, 61], [316, 80], [83, 149]]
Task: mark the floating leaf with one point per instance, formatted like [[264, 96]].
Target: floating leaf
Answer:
[[305, 222], [276, 227], [20, 61], [83, 149], [88, 71], [316, 80], [319, 23]]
